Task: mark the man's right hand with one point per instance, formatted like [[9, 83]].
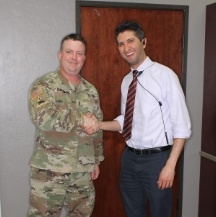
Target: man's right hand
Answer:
[[90, 124]]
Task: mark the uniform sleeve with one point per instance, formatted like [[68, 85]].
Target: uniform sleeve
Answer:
[[98, 136], [45, 114]]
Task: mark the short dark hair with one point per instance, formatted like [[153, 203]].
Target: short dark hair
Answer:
[[130, 26], [74, 37]]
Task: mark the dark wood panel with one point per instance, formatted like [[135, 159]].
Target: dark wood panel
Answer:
[[207, 194], [207, 198], [209, 95]]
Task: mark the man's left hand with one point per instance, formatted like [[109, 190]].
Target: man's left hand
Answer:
[[95, 173], [166, 178]]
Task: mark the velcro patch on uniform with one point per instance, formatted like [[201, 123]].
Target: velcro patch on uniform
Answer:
[[41, 102], [40, 98], [36, 93]]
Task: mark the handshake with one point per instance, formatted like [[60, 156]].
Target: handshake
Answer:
[[91, 124]]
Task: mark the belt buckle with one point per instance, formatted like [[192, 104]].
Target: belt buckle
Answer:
[[149, 151], [137, 152]]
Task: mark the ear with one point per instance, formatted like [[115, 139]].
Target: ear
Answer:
[[59, 54], [144, 41]]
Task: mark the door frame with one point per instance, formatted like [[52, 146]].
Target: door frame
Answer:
[[185, 10]]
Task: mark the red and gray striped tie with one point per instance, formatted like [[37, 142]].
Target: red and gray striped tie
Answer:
[[130, 107]]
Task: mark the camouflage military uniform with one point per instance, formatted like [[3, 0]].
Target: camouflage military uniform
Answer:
[[64, 154]]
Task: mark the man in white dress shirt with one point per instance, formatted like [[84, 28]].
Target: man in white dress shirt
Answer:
[[160, 127]]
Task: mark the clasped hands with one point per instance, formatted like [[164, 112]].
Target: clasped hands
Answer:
[[91, 124]]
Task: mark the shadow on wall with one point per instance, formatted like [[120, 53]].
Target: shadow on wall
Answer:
[[0, 208]]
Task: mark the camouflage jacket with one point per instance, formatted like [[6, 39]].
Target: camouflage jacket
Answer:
[[56, 108]]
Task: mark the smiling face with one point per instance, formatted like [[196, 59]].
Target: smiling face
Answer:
[[131, 48], [71, 57]]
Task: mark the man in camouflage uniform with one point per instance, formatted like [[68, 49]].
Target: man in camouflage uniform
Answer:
[[65, 158]]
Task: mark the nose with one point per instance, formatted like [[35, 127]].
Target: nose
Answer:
[[126, 47], [74, 55]]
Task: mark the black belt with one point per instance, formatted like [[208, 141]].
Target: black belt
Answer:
[[149, 150]]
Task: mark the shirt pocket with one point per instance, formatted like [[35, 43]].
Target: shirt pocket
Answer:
[[63, 100], [86, 104]]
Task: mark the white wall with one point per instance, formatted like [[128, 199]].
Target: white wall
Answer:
[[30, 32]]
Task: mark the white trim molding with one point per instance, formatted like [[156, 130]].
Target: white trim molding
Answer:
[[208, 156]]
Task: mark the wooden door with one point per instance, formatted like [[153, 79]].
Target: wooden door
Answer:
[[207, 194], [164, 29]]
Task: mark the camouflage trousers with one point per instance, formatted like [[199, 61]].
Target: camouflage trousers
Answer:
[[50, 191]]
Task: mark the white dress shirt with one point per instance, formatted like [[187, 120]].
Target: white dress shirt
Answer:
[[157, 83]]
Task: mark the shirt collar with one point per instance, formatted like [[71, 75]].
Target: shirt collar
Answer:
[[82, 84], [145, 64]]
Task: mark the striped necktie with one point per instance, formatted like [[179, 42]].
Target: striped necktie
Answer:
[[128, 118]]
